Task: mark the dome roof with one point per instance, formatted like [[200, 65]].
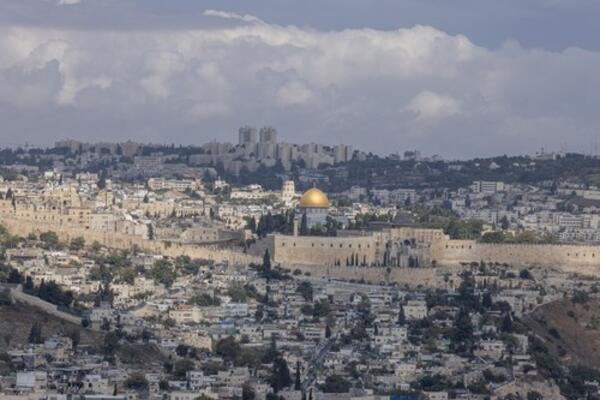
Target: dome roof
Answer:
[[314, 198]]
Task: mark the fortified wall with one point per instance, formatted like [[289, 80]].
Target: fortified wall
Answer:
[[23, 227], [579, 256], [326, 251], [426, 247], [392, 247]]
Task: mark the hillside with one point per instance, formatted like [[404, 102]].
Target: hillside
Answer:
[[17, 319], [570, 331]]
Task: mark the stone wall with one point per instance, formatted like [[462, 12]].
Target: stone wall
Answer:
[[38, 303], [411, 277], [456, 251], [122, 241], [433, 248], [325, 251]]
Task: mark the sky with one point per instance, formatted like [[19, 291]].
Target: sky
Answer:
[[461, 78]]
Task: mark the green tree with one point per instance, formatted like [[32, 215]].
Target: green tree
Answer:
[[504, 223], [150, 232], [298, 380], [507, 324], [35, 333], [321, 309], [305, 288], [401, 316], [77, 243], [266, 267], [181, 367], [336, 384], [163, 272], [49, 239], [102, 180], [136, 381], [462, 332], [111, 343], [533, 395], [228, 349], [248, 393], [304, 231], [280, 377]]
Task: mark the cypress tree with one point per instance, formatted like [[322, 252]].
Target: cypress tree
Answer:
[[298, 382]]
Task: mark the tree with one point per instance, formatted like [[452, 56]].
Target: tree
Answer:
[[182, 350], [462, 332], [14, 276], [251, 224], [304, 231], [486, 301], [102, 180], [75, 335], [306, 290], [5, 297], [248, 393], [181, 367], [272, 353], [507, 324], [298, 380], [49, 239], [321, 309], [525, 274], [266, 267], [336, 384], [401, 316], [163, 272], [136, 381], [35, 333], [504, 223], [150, 232], [77, 243], [580, 297], [533, 395], [228, 348], [280, 377], [111, 343]]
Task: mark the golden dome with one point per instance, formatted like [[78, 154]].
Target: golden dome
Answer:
[[314, 198]]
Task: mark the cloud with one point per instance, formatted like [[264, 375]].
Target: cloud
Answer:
[[68, 2], [382, 90], [231, 15], [432, 105]]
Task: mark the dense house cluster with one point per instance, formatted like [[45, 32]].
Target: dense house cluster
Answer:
[[156, 278], [183, 329]]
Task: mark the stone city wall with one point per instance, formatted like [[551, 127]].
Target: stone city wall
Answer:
[[436, 249], [38, 303], [456, 251], [121, 241], [325, 251]]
